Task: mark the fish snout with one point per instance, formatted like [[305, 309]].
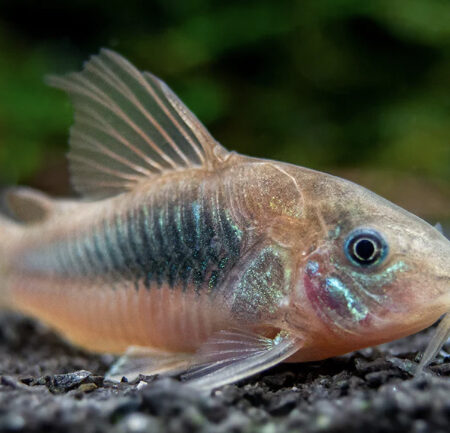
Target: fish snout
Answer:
[[428, 258]]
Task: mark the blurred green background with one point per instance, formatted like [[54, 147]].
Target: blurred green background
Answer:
[[360, 89]]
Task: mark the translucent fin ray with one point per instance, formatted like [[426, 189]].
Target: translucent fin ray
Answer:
[[140, 360], [223, 360], [129, 126], [435, 345]]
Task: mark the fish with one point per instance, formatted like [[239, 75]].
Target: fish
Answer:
[[188, 259]]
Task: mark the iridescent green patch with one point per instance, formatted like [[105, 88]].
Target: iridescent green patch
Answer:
[[262, 286]]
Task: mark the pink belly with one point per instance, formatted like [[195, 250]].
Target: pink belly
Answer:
[[102, 319]]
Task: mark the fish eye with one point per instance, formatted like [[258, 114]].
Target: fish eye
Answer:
[[365, 247]]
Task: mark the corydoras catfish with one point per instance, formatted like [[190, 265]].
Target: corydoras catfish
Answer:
[[187, 258]]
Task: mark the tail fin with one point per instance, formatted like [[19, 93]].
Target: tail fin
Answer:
[[9, 233]]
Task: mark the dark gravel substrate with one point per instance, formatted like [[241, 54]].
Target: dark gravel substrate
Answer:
[[48, 386]]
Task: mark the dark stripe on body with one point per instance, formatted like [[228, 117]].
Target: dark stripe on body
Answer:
[[182, 240]]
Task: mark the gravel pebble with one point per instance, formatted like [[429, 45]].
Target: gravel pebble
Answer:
[[47, 385]]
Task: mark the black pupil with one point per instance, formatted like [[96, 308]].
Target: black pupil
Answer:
[[365, 250]]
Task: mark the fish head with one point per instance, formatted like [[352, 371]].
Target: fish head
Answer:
[[375, 272]]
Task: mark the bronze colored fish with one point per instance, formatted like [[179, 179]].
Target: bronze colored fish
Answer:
[[189, 258]]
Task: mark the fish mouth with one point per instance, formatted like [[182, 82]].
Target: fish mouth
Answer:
[[444, 278], [398, 324]]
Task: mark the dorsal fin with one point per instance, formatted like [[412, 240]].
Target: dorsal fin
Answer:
[[129, 126], [27, 205]]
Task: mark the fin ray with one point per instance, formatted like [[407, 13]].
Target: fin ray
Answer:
[[129, 95], [150, 82], [441, 335], [223, 359], [140, 360], [129, 126]]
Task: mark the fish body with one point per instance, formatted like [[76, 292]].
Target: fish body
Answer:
[[191, 252], [187, 257]]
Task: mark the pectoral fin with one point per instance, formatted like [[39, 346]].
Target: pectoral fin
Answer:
[[435, 345], [233, 355], [226, 357]]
